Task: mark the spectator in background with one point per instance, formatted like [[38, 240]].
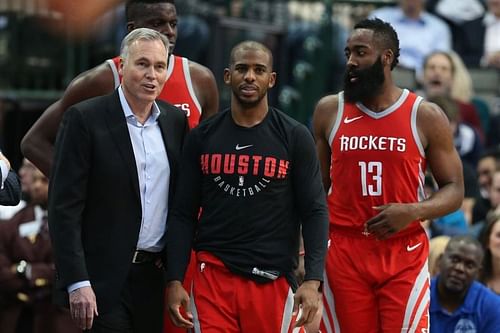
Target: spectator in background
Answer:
[[10, 189], [458, 302], [436, 250], [420, 32], [490, 238], [27, 269], [439, 79], [495, 192], [469, 147], [465, 138], [465, 19], [488, 163], [26, 178], [491, 56]]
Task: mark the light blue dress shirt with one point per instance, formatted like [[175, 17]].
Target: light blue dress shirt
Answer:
[[153, 170]]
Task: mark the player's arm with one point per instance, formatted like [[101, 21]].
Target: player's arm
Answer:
[[310, 200], [181, 230], [205, 89], [444, 162], [323, 120], [38, 144]]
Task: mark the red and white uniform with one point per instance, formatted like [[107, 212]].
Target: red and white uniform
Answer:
[[178, 89], [377, 158]]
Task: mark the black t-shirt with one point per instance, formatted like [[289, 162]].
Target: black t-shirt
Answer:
[[256, 187]]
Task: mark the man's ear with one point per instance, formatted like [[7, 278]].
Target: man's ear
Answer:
[[227, 76], [120, 67], [130, 26], [388, 57]]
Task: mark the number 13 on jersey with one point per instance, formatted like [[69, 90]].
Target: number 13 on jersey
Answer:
[[371, 178]]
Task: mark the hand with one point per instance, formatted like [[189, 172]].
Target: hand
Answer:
[[307, 299], [177, 297], [390, 219], [83, 306], [3, 158]]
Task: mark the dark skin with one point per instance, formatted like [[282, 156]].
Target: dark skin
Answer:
[[249, 76], [459, 266], [362, 51], [38, 143]]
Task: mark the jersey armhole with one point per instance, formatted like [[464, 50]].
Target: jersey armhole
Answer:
[[116, 77], [340, 113]]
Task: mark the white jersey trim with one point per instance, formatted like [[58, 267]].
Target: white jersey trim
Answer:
[[421, 286], [187, 76], [329, 306], [170, 66], [340, 114], [414, 128], [286, 322], [116, 77], [389, 110]]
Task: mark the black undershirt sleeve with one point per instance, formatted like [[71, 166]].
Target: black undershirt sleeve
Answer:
[[184, 213], [311, 202]]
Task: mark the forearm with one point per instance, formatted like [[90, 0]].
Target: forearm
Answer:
[[179, 247], [444, 201], [39, 151], [315, 234]]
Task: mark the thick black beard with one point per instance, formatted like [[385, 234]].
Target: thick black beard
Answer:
[[368, 84]]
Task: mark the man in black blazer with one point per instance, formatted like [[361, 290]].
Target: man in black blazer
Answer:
[[10, 189], [112, 182]]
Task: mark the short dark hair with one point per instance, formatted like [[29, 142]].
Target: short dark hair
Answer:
[[385, 35], [467, 239], [250, 45], [135, 7]]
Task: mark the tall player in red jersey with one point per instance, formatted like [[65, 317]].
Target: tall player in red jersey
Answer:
[[375, 141], [190, 86]]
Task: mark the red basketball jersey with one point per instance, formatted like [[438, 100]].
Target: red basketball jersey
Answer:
[[377, 158], [178, 90]]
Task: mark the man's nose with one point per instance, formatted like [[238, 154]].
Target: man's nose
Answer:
[[250, 75]]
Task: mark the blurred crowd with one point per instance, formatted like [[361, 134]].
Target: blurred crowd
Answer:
[[441, 40]]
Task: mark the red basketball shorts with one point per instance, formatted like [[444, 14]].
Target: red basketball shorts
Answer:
[[223, 302], [375, 286]]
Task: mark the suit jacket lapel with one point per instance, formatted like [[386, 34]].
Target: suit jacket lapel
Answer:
[[119, 132], [165, 127]]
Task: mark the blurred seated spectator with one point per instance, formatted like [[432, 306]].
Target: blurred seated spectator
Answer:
[[458, 302], [27, 270], [420, 32], [436, 249], [491, 56], [490, 238], [465, 19], [488, 163], [495, 192], [442, 78], [10, 189], [465, 138], [462, 90], [452, 224], [25, 176]]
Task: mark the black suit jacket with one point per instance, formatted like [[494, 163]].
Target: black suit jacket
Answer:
[[10, 195], [94, 201]]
